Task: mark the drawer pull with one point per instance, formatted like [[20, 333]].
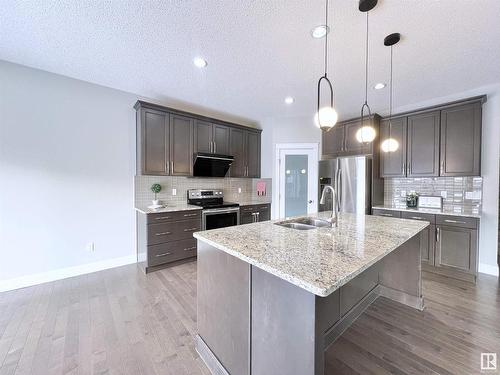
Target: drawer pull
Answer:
[[416, 217], [162, 233], [162, 255], [454, 221], [163, 217], [189, 215], [190, 229], [388, 215], [190, 248]]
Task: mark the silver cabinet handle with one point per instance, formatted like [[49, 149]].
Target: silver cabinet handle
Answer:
[[258, 216], [162, 217], [438, 234], [454, 221], [162, 255], [189, 215], [167, 167], [190, 248], [172, 164], [162, 233], [210, 147], [404, 168], [215, 147], [442, 166], [388, 215], [190, 229], [416, 217]]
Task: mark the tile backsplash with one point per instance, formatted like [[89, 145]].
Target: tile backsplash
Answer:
[[230, 186], [459, 193]]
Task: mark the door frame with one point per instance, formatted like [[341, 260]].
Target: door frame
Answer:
[[314, 147]]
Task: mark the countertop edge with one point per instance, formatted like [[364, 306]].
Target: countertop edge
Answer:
[[426, 211], [320, 292], [147, 211]]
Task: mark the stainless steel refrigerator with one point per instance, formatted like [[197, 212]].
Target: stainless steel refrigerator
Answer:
[[351, 177]]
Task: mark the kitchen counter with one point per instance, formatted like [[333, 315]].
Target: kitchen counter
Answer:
[[319, 260], [434, 211], [271, 299], [168, 208], [251, 202]]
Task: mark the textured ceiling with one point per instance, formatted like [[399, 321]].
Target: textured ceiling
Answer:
[[258, 52]]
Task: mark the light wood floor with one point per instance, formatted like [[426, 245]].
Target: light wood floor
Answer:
[[121, 321]]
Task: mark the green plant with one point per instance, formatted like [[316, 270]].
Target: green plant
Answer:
[[156, 188]]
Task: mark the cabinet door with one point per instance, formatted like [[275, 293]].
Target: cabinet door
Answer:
[[423, 145], [181, 146], [456, 248], [202, 136], [221, 139], [427, 245], [461, 140], [393, 164], [332, 142], [237, 149], [352, 145], [264, 213], [253, 154], [247, 217], [154, 142]]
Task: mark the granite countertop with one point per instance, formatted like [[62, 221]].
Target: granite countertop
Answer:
[[434, 211], [320, 260], [168, 208]]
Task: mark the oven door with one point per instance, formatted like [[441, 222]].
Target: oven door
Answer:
[[220, 218]]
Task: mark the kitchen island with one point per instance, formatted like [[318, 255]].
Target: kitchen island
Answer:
[[271, 299]]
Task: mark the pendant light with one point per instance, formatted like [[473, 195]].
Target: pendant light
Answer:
[[390, 144], [326, 117], [366, 133]]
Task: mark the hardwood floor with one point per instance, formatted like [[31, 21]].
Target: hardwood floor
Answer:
[[121, 321]]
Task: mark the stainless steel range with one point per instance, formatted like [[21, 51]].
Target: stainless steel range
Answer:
[[216, 213]]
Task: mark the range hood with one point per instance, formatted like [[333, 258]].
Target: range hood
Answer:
[[211, 165]]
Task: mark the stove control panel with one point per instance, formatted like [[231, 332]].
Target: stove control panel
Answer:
[[204, 194]]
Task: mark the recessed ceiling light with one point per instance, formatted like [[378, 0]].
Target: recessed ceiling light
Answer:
[[379, 86], [289, 100], [320, 31], [200, 62]]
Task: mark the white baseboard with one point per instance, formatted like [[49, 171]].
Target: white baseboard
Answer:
[[488, 269], [64, 273]]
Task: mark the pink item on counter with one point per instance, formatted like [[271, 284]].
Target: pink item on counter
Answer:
[[261, 188]]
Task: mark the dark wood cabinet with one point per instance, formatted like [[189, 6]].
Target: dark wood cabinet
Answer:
[[393, 164], [456, 248], [461, 140], [428, 240], [423, 145], [386, 213], [181, 146], [333, 142], [255, 213], [167, 139], [153, 142], [351, 144], [245, 148], [210, 137]]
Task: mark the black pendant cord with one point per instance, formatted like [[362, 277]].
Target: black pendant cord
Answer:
[[390, 102], [365, 104], [326, 36]]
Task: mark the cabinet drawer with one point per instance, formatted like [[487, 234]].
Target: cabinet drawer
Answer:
[[171, 251], [254, 207], [166, 232], [419, 216], [173, 216], [457, 221], [387, 213]]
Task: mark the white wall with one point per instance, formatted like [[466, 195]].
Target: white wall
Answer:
[[67, 163]]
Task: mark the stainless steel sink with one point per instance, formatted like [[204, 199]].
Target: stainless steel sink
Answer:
[[304, 223]]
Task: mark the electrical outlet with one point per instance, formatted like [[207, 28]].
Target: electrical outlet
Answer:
[[239, 190], [91, 247], [174, 191]]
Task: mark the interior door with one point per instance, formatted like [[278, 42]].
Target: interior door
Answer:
[[298, 182]]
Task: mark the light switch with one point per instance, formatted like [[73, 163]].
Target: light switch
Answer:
[[174, 191], [239, 190]]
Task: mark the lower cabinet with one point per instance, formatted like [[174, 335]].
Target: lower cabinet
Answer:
[[164, 238], [449, 244], [255, 213]]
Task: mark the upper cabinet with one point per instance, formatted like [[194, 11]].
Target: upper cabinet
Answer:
[[442, 141], [211, 138], [167, 140], [461, 140], [245, 147], [342, 141], [393, 164]]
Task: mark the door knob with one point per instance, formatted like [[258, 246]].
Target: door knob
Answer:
[[310, 201]]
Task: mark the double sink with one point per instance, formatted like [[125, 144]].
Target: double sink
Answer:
[[305, 223]]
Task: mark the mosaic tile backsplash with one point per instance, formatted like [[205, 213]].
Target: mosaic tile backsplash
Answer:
[[459, 193], [230, 186]]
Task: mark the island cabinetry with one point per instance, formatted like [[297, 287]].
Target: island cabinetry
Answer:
[[166, 238], [427, 245], [255, 213]]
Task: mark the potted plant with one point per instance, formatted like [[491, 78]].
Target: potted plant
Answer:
[[411, 199], [156, 188]]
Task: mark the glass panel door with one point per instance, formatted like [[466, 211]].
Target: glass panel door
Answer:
[[296, 185]]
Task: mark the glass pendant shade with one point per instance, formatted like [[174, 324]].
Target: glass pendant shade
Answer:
[[390, 145], [326, 118], [366, 134]]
